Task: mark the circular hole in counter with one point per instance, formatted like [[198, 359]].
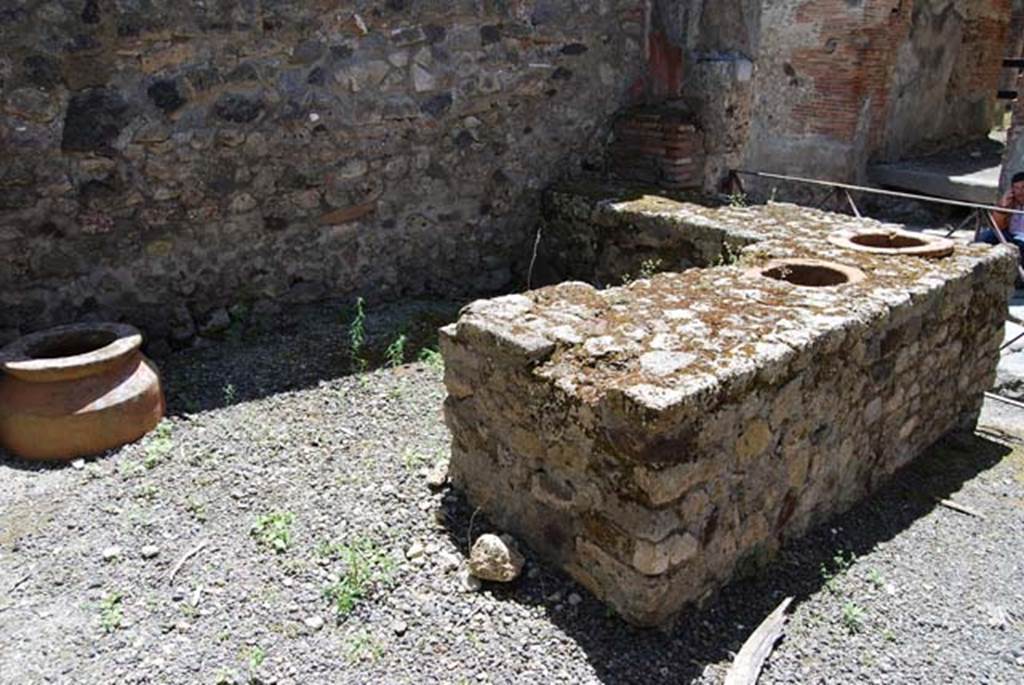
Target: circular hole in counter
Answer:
[[888, 241], [810, 273], [893, 242]]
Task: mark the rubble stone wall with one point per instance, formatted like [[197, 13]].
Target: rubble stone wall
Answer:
[[584, 237], [658, 438], [163, 160]]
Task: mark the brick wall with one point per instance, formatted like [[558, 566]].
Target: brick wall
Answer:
[[658, 147], [838, 83], [980, 67], [851, 68]]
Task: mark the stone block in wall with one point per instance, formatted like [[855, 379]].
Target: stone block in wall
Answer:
[[659, 146], [653, 439]]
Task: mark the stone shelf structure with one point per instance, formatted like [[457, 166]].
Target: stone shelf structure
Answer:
[[654, 439]]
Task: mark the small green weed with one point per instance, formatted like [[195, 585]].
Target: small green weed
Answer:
[[875, 578], [357, 338], [730, 255], [147, 492], [739, 200], [196, 507], [111, 612], [230, 393], [648, 268], [830, 573], [412, 460], [256, 657], [225, 676], [158, 445], [395, 352], [274, 531], [363, 646], [432, 358], [366, 568], [853, 617]]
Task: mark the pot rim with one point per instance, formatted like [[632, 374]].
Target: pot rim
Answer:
[[930, 246], [17, 360]]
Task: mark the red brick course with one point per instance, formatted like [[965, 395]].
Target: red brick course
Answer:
[[853, 65], [659, 148]]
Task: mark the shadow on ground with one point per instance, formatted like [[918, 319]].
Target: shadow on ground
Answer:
[[620, 653], [299, 350]]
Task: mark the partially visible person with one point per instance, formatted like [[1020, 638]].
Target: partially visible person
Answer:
[[1011, 225]]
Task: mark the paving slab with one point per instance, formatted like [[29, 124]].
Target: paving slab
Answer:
[[969, 174]]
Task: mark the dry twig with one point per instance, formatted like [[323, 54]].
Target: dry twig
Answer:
[[188, 555], [955, 506]]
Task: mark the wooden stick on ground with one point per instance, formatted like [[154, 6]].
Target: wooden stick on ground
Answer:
[[188, 555], [21, 581], [746, 669], [955, 506]]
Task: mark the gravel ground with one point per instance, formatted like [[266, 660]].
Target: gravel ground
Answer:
[[280, 468]]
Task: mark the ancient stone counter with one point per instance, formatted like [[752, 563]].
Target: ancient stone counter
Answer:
[[654, 439]]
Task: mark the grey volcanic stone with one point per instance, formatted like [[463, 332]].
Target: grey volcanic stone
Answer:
[[238, 109], [94, 120], [42, 71], [165, 95], [437, 105]]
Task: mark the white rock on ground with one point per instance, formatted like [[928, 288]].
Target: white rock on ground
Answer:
[[495, 558], [467, 582], [448, 562], [437, 476]]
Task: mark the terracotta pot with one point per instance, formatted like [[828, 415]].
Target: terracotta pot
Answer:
[[77, 390]]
